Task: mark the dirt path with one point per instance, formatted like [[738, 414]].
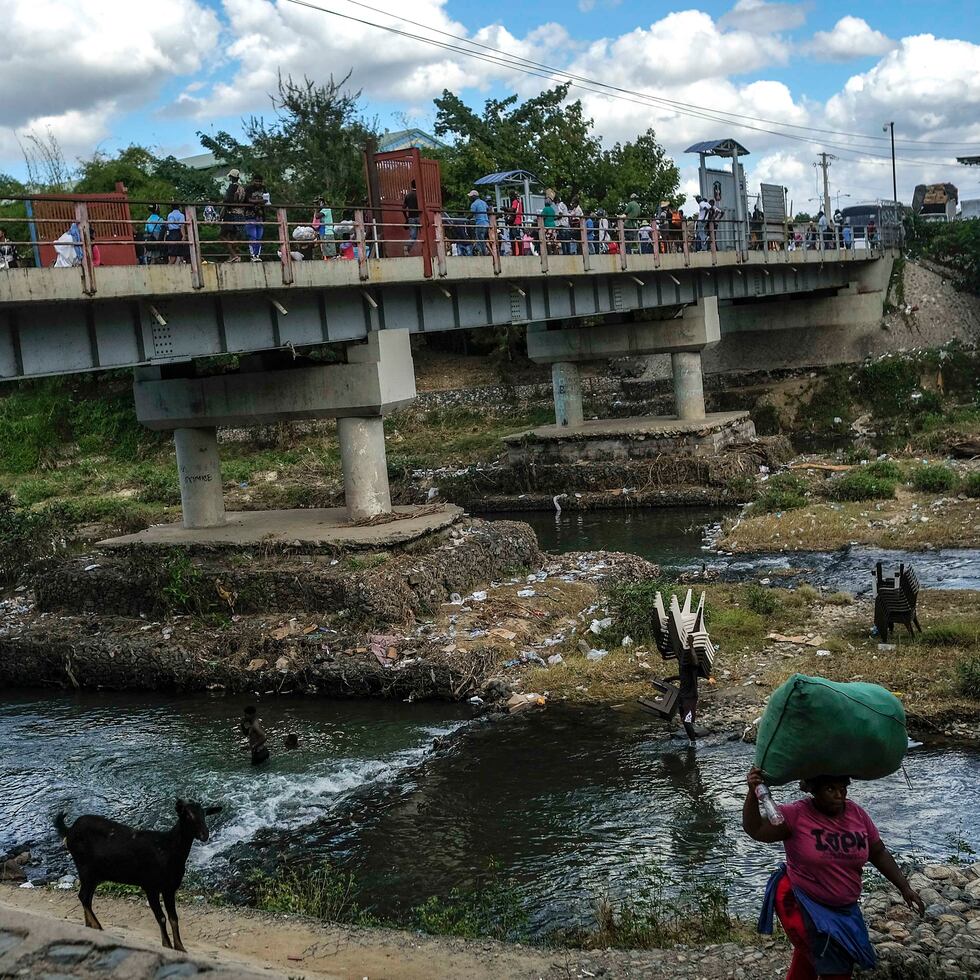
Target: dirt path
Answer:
[[296, 947], [292, 947]]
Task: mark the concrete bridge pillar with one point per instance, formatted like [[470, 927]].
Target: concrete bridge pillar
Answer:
[[199, 471], [688, 384], [365, 466], [378, 377], [566, 381]]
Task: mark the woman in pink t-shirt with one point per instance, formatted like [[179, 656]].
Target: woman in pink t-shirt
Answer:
[[828, 840]]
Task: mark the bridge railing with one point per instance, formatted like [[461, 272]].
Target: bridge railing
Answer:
[[68, 233]]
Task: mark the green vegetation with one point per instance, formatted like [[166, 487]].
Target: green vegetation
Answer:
[[884, 469], [761, 600], [182, 580], [968, 675], [493, 910], [559, 137], [971, 485], [654, 919], [322, 893], [860, 485], [934, 478], [782, 492], [956, 245], [25, 538]]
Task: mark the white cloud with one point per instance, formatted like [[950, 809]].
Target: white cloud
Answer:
[[61, 57], [850, 37], [765, 16], [586, 5], [272, 35]]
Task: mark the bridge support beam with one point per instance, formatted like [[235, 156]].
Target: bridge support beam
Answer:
[[365, 466], [688, 384], [566, 382], [199, 471], [378, 377], [683, 333]]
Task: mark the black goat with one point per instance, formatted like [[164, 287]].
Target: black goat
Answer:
[[104, 850]]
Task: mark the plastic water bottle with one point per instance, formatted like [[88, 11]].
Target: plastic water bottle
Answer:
[[769, 808]]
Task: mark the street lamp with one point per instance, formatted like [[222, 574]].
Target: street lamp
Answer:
[[838, 195], [891, 126]]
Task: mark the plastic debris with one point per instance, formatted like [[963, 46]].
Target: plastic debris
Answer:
[[526, 593], [555, 658], [65, 883], [627, 641], [479, 597], [598, 625], [455, 599], [596, 654]]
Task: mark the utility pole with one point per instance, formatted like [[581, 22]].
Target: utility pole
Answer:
[[824, 165], [891, 126]]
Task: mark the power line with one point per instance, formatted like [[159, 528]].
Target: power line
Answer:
[[541, 70]]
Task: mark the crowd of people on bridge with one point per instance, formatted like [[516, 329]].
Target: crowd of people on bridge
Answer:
[[481, 227]]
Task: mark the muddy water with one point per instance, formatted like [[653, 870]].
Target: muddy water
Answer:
[[571, 804]]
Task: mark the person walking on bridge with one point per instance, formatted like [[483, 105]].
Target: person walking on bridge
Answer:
[[233, 215], [632, 216], [256, 198]]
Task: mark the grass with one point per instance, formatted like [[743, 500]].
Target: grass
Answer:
[[655, 917], [320, 892], [971, 485], [860, 485], [735, 627], [884, 469], [968, 676], [822, 526], [934, 478], [492, 910], [936, 675], [782, 492]]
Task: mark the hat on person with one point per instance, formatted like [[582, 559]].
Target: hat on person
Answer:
[[234, 173], [634, 197], [474, 194]]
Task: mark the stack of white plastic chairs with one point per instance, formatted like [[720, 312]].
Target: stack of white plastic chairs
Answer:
[[682, 633]]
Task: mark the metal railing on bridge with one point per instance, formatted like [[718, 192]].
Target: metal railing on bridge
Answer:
[[194, 236]]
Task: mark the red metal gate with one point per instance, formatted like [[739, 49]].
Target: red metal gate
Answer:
[[389, 179], [108, 214]]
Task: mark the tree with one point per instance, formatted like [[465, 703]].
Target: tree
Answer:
[[640, 167], [312, 149], [544, 135], [555, 141], [146, 177], [47, 169], [802, 218]]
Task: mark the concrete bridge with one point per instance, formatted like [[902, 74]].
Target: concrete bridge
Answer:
[[577, 308]]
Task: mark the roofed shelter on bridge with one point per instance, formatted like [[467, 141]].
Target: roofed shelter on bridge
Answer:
[[523, 179], [725, 188]]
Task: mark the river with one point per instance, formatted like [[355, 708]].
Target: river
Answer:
[[571, 804]]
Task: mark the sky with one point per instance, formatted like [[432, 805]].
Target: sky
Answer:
[[786, 79]]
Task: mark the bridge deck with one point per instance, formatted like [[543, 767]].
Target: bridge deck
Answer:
[[50, 285], [139, 315]]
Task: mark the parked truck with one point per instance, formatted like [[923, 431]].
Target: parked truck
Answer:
[[935, 202]]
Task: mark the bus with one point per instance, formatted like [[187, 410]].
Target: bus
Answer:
[[887, 216]]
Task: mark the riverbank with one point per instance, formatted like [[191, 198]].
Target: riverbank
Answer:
[[945, 943]]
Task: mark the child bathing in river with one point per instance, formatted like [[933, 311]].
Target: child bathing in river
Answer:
[[252, 729]]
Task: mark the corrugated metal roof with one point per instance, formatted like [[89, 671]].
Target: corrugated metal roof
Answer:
[[720, 148], [505, 175]]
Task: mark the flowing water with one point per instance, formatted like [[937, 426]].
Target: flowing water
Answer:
[[680, 537], [571, 803]]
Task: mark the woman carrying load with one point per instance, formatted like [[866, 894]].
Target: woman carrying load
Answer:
[[828, 840]]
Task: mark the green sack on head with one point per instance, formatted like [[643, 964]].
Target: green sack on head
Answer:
[[815, 727]]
